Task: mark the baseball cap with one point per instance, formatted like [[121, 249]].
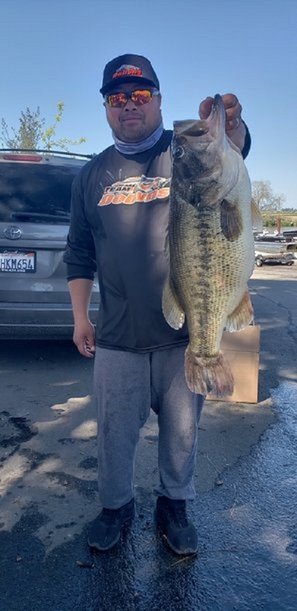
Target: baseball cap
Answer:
[[127, 68]]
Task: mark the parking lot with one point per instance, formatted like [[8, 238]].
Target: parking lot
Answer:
[[245, 510]]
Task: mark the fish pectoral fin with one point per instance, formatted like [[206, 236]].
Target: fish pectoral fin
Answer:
[[172, 311], [167, 248], [231, 221], [242, 316]]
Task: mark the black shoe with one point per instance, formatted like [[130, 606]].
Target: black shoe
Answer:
[[106, 529], [172, 521]]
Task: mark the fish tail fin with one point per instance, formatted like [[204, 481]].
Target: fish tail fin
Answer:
[[208, 374], [242, 316]]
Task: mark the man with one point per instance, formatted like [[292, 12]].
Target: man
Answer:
[[118, 227]]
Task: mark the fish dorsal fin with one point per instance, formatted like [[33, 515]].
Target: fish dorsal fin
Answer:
[[231, 221], [256, 216]]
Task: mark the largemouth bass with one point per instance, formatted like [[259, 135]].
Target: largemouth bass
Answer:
[[211, 247]]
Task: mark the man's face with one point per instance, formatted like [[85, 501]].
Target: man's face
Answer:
[[134, 123]]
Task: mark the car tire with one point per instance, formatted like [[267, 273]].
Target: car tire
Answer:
[[259, 262], [290, 262]]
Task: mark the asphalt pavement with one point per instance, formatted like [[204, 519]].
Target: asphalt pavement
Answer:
[[246, 505]]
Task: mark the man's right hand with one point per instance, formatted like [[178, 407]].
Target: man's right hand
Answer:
[[84, 338], [84, 332]]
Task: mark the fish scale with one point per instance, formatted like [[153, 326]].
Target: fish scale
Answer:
[[197, 270]]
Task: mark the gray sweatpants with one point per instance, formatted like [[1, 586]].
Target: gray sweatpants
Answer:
[[127, 385]]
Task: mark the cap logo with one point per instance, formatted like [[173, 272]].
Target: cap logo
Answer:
[[126, 70]]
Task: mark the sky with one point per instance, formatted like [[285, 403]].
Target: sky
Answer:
[[54, 50]]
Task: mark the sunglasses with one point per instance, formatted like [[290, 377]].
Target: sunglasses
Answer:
[[139, 97]]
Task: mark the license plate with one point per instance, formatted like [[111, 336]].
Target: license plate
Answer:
[[21, 262]]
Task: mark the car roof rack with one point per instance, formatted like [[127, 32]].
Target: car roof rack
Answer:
[[48, 152]]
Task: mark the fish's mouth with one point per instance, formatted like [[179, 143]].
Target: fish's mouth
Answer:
[[210, 127], [192, 128], [218, 113]]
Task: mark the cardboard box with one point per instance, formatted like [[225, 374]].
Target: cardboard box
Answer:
[[242, 351]]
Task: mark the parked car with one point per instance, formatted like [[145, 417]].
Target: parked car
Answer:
[[35, 189], [286, 258], [274, 248]]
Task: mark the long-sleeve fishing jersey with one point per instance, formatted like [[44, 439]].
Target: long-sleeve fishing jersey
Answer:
[[119, 222]]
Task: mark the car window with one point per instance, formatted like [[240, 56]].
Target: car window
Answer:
[[36, 192]]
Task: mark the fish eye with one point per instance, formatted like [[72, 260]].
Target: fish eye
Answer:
[[179, 152]]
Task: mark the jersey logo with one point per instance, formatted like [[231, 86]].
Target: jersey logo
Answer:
[[138, 189]]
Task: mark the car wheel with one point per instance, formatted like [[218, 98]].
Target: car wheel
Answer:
[[259, 262], [290, 262]]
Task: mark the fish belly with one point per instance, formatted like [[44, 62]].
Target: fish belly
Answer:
[[208, 278]]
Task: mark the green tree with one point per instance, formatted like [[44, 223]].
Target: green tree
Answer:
[[33, 134], [29, 133], [264, 197]]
